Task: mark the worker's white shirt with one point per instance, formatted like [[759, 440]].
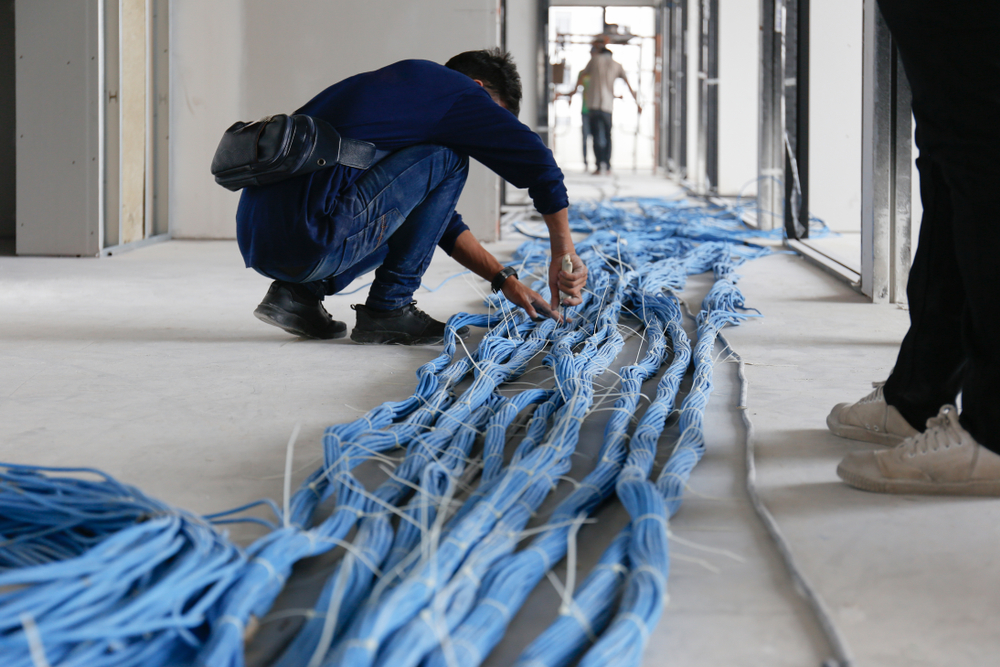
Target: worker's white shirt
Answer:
[[603, 70]]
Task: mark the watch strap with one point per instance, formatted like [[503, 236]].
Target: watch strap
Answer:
[[501, 277]]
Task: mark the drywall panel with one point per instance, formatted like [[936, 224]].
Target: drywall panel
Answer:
[[58, 122], [207, 76], [739, 37], [7, 121], [244, 59]]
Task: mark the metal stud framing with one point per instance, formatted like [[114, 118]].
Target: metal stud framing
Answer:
[[886, 165]]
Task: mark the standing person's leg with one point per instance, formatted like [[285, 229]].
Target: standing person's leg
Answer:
[[607, 149], [925, 376], [585, 132], [952, 59], [928, 367], [600, 128]]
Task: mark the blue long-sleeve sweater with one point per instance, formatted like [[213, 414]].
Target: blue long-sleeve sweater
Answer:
[[411, 102]]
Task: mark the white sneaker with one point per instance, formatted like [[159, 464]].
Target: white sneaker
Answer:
[[871, 419], [943, 460]]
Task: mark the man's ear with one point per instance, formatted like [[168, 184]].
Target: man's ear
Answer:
[[480, 82]]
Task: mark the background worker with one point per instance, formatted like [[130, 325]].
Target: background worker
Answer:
[[314, 234], [599, 97]]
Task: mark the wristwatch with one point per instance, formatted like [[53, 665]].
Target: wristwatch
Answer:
[[501, 277]]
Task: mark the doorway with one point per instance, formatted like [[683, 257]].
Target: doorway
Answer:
[[631, 36]]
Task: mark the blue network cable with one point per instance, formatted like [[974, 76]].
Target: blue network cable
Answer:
[[94, 573]]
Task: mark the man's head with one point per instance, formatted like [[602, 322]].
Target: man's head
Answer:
[[495, 71]]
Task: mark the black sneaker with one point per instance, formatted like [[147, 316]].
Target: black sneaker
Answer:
[[299, 312], [404, 326]]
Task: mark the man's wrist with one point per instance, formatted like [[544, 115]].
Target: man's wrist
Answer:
[[501, 277]]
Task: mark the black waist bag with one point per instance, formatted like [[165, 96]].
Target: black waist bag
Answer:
[[278, 147]]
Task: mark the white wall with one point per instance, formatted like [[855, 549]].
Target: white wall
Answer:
[[242, 59], [522, 43], [739, 42], [835, 113]]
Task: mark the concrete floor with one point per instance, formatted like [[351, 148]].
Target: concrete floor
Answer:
[[151, 367]]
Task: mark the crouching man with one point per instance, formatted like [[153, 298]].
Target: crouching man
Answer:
[[314, 234]]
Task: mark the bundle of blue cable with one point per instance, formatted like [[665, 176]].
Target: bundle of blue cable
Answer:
[[96, 574], [433, 573]]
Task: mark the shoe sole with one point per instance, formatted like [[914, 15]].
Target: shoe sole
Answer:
[[864, 435], [392, 338], [291, 323], [913, 486]]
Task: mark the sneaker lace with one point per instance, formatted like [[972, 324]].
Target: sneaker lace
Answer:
[[876, 395], [940, 434]]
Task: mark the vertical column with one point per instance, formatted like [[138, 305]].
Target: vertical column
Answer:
[[158, 105], [111, 117], [660, 77], [796, 131], [771, 149], [706, 173], [543, 74], [8, 122], [885, 165], [676, 121], [901, 254]]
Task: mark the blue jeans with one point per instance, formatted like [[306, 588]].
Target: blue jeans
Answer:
[[394, 215], [600, 128]]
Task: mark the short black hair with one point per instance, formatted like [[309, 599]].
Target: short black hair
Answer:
[[496, 69]]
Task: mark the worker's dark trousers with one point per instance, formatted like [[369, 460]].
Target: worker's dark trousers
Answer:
[[600, 129], [951, 54]]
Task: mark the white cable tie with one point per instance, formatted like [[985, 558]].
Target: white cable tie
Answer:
[[639, 623], [573, 609], [271, 571], [617, 568], [545, 556], [368, 644], [470, 574], [652, 570], [503, 609], [289, 454], [650, 517], [232, 620], [694, 545], [34, 637]]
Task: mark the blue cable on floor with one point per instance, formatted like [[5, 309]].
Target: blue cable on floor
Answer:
[[433, 573]]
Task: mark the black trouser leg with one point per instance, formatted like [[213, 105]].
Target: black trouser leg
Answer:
[[951, 55], [927, 372]]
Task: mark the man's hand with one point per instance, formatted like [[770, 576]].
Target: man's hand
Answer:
[[521, 295], [560, 245], [570, 283]]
